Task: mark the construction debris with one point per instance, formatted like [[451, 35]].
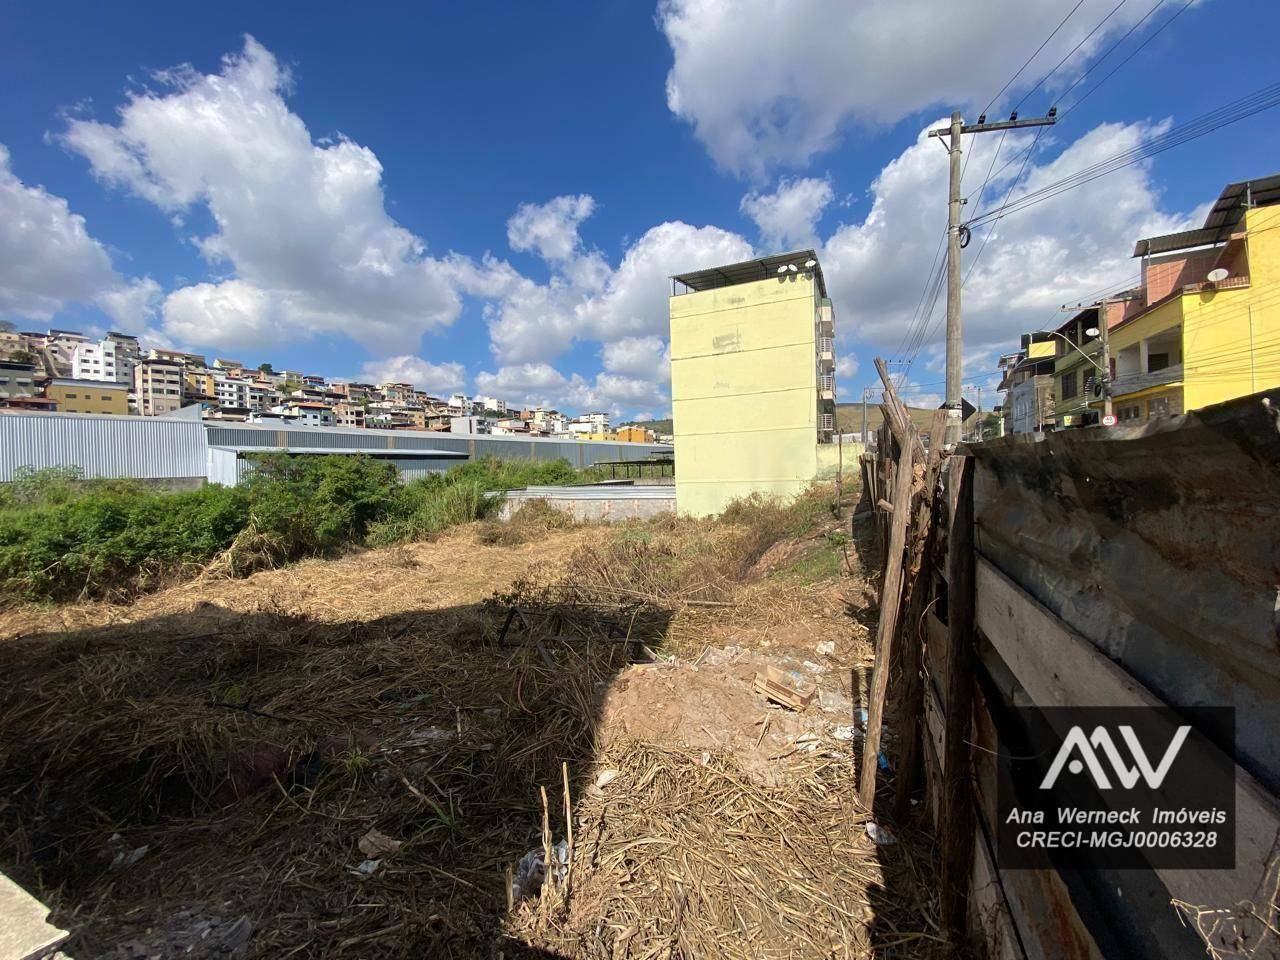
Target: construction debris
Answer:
[[790, 690]]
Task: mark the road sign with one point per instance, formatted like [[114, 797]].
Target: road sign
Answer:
[[1109, 420]]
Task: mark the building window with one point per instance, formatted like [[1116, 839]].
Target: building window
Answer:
[[71, 396], [1159, 407], [1157, 361], [1069, 388]]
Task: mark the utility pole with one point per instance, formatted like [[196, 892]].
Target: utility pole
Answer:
[[865, 392], [1106, 356], [955, 338]]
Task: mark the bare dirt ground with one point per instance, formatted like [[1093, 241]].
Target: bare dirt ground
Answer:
[[347, 757]]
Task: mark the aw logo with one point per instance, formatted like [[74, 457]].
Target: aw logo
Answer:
[[1079, 752]]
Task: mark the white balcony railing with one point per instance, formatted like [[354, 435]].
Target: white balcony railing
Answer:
[[826, 345], [826, 382]]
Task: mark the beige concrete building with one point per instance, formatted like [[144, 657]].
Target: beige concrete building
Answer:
[[157, 387]]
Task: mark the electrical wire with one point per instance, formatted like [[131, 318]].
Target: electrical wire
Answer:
[[1071, 53], [1233, 112], [1155, 33]]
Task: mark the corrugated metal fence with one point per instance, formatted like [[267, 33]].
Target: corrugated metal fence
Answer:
[[151, 448], [162, 448]]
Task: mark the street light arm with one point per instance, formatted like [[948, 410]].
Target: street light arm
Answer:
[[1067, 341]]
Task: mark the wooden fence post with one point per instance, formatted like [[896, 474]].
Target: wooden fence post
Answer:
[[956, 815], [890, 596]]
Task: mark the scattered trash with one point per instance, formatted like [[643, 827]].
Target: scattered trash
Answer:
[[860, 715], [826, 648], [531, 871], [882, 836], [375, 843], [366, 869], [807, 741], [606, 777], [426, 736], [124, 858], [833, 701], [814, 667], [882, 762], [791, 690], [846, 732]]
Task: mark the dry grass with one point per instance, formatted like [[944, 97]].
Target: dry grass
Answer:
[[248, 732], [681, 855]]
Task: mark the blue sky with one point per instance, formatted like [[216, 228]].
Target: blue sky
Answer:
[[488, 197]]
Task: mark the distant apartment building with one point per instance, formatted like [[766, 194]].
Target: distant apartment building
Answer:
[[10, 343], [489, 403], [1027, 380], [635, 434], [307, 413], [589, 424], [157, 386], [348, 414], [231, 367], [177, 356], [59, 346], [88, 396], [17, 380], [469, 425], [752, 380], [397, 392]]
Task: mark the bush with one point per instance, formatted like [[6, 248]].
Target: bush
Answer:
[[315, 505], [62, 536], [109, 535]]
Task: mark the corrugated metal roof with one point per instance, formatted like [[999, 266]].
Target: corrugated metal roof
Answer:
[[1226, 212], [352, 450], [750, 271]]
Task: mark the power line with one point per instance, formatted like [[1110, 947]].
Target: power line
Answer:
[[1262, 99], [1070, 53], [1010, 81], [1155, 33]]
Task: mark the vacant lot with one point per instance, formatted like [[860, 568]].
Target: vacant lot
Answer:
[[351, 756]]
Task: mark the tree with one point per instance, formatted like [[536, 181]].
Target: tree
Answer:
[[265, 368], [22, 356]]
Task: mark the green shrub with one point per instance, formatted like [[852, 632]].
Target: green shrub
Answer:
[[111, 535], [63, 536], [314, 505]]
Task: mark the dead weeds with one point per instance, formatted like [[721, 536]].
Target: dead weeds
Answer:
[[235, 739]]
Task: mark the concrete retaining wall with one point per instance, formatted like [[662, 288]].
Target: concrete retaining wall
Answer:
[[594, 504]]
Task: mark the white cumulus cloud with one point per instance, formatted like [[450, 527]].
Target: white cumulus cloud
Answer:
[[301, 223], [1034, 261], [48, 259], [788, 217], [767, 83]]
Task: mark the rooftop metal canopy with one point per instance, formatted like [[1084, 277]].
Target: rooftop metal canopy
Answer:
[[751, 271], [1226, 212]]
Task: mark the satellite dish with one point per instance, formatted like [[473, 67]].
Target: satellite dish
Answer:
[[783, 268], [1217, 276]]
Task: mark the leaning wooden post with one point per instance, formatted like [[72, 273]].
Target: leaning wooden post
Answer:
[[956, 813], [890, 595], [916, 595]]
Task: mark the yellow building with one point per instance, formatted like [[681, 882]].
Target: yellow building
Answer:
[[1209, 329], [635, 434], [88, 396], [752, 379]]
